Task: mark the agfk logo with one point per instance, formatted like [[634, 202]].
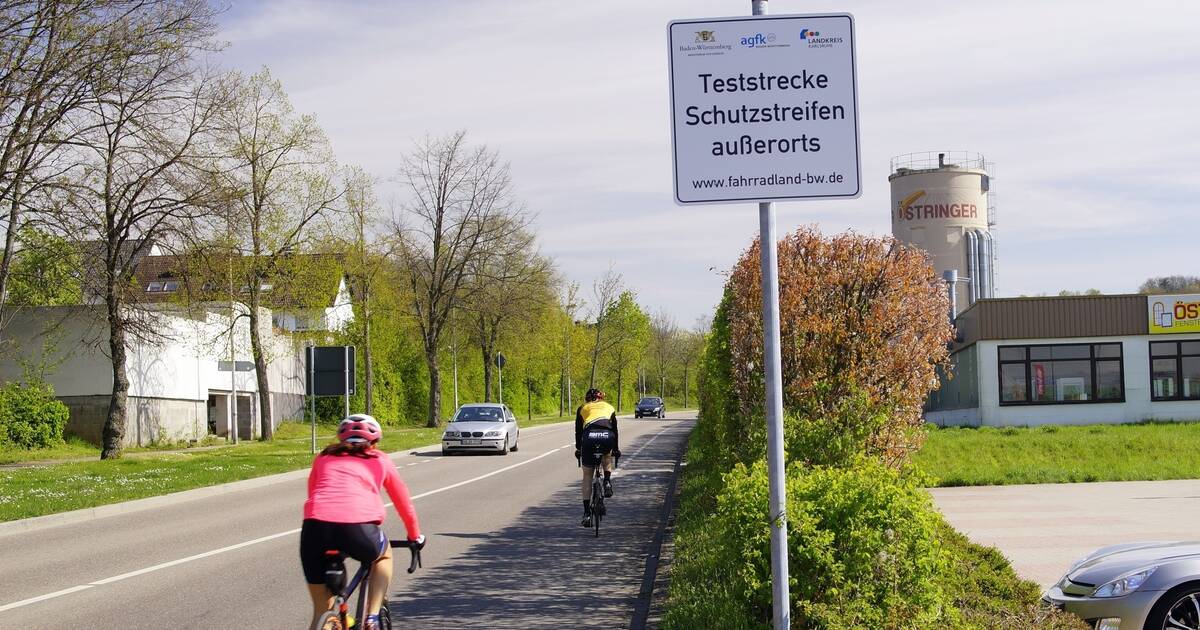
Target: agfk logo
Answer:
[[758, 39]]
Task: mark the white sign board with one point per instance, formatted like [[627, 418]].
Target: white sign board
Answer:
[[764, 108]]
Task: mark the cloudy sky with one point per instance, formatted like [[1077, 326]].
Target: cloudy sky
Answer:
[[1090, 110]]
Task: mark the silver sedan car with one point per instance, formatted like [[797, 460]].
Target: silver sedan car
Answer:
[[487, 427], [1136, 586]]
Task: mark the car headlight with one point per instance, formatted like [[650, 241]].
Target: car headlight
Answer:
[[492, 434], [1125, 584], [450, 434]]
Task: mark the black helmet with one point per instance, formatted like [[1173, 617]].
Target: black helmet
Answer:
[[593, 394]]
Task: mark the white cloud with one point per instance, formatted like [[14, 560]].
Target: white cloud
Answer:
[[1086, 107]]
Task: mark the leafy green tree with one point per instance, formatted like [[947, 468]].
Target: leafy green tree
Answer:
[[45, 270], [628, 329]]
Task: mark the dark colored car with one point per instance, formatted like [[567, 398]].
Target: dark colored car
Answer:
[[650, 406]]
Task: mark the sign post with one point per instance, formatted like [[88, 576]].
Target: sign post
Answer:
[[765, 109], [330, 373], [500, 361]]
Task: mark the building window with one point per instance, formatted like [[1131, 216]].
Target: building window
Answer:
[[1063, 373], [154, 287], [1174, 370]]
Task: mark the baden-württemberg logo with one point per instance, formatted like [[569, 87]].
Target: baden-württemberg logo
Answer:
[[814, 39], [707, 43]]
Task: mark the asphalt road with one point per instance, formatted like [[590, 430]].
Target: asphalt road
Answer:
[[505, 548]]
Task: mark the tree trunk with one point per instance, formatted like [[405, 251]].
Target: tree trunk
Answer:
[[619, 372], [487, 372], [260, 373], [562, 381], [595, 357], [435, 389], [114, 425], [10, 238], [685, 385], [367, 365]]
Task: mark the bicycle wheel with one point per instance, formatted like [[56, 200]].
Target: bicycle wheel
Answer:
[[597, 513], [330, 621]]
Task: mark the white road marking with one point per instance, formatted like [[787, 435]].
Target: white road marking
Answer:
[[206, 554]]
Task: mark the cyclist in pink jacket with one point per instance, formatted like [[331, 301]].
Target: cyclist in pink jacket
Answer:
[[344, 511]]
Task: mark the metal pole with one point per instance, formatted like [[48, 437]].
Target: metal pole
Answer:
[[772, 364], [346, 372], [500, 372], [774, 406], [454, 360], [312, 398]]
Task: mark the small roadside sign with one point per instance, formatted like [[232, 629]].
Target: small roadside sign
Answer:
[[764, 109]]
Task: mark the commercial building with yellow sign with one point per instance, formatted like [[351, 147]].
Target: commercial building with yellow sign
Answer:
[[1073, 360]]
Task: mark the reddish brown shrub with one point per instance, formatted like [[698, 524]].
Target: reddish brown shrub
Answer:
[[860, 317]]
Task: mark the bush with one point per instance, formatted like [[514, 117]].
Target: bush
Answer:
[[858, 316], [862, 551], [30, 416]]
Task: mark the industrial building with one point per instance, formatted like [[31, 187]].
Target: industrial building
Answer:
[[1039, 360], [942, 202]]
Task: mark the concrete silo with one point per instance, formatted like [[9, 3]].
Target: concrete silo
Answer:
[[942, 203]]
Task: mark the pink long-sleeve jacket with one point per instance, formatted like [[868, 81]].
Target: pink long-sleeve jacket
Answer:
[[345, 489]]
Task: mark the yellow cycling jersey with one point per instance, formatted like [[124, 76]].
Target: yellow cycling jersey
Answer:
[[596, 410]]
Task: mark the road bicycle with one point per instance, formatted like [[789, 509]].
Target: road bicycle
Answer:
[[597, 503], [338, 617]]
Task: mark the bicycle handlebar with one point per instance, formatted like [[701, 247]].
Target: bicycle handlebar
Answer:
[[413, 549]]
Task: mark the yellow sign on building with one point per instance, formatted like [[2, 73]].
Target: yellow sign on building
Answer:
[[1174, 313]]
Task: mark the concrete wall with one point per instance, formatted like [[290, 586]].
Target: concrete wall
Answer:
[[1137, 407], [146, 419]]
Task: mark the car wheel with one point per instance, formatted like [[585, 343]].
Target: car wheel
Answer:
[[504, 451], [445, 453], [1181, 605], [513, 448]]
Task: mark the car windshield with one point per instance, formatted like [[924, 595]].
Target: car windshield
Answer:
[[479, 414], [650, 401]]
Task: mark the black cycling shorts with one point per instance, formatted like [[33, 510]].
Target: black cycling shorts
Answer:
[[364, 542], [597, 442]]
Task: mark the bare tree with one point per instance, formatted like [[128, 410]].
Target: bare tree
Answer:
[[278, 177], [509, 281], [605, 291], [363, 262], [461, 206], [691, 346], [663, 345], [142, 167], [569, 305], [51, 54]]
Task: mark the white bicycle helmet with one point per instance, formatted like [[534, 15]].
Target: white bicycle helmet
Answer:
[[359, 427]]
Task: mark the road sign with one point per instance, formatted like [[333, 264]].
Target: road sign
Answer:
[[242, 366], [326, 370], [764, 109], [500, 360]]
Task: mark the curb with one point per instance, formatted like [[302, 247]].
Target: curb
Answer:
[[647, 608], [36, 523]]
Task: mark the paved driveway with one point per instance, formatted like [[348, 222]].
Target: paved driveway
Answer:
[[1043, 528]]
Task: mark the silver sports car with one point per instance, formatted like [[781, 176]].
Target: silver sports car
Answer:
[[1136, 586], [481, 427]]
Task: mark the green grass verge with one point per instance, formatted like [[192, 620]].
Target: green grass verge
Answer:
[[1061, 454], [41, 490]]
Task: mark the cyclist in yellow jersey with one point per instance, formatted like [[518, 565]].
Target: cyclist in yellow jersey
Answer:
[[596, 444]]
